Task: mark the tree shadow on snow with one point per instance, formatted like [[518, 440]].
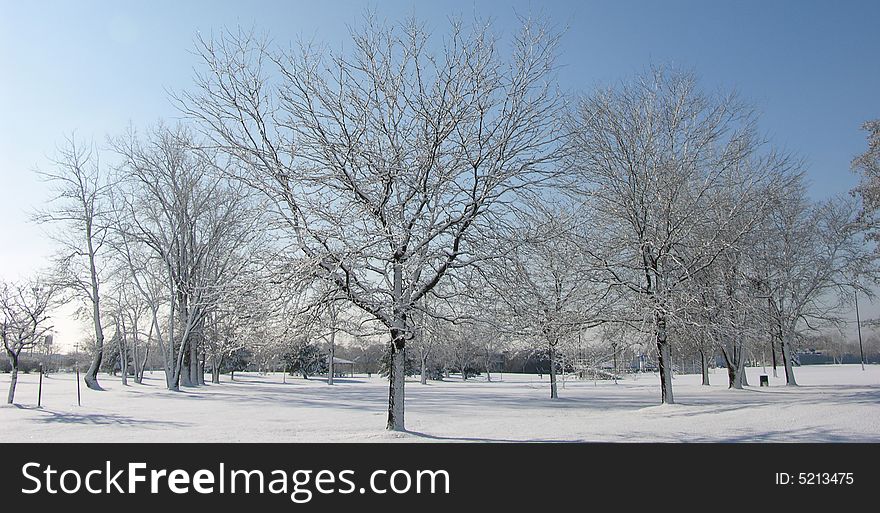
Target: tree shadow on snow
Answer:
[[799, 435], [102, 419], [479, 439]]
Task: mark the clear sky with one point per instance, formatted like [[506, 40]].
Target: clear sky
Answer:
[[811, 67]]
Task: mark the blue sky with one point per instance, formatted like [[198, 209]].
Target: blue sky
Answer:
[[811, 67]]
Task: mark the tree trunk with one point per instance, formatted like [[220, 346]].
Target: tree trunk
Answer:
[[194, 361], [397, 376], [773, 354], [13, 361], [424, 376], [215, 369], [772, 338], [732, 362], [134, 354], [732, 381], [91, 375], [180, 378], [123, 364], [552, 355], [143, 363], [704, 367], [786, 361], [664, 362], [183, 374], [123, 357], [396, 381], [201, 370], [331, 367]]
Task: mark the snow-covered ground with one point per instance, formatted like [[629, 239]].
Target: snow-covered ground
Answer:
[[838, 403]]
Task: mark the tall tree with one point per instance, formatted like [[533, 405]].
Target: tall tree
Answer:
[[383, 161], [652, 155], [867, 167], [812, 251], [80, 207], [195, 224]]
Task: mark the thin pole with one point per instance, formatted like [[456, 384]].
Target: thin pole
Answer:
[[859, 326], [40, 388], [614, 355], [78, 397]]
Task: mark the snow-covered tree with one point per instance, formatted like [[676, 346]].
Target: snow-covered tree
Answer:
[[383, 161], [24, 313], [80, 212], [196, 226], [652, 155], [867, 166], [549, 287], [810, 253]]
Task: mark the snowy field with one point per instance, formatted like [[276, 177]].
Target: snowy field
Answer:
[[833, 404]]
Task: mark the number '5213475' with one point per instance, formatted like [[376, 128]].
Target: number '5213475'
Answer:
[[814, 478]]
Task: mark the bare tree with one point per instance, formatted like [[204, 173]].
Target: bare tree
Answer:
[[429, 329], [382, 162], [80, 208], [196, 228], [867, 166], [652, 155], [546, 282], [25, 310], [811, 253], [461, 348]]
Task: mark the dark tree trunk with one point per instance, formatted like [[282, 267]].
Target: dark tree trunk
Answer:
[[552, 354], [664, 362], [184, 372], [215, 370], [731, 375], [143, 364], [91, 376], [202, 370], [123, 354], [773, 354], [396, 381], [13, 379], [731, 362], [704, 367], [772, 337], [180, 377], [423, 379], [787, 362], [331, 367], [194, 360], [135, 360]]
